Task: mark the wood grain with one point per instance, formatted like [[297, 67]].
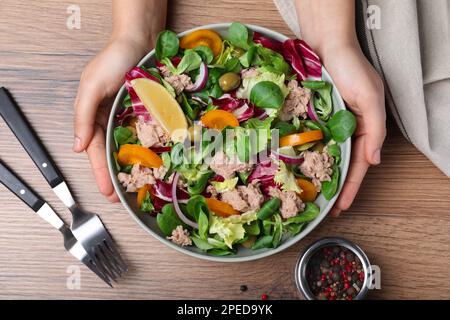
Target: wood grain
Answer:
[[400, 217]]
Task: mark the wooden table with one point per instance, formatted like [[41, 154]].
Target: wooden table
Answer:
[[401, 215]]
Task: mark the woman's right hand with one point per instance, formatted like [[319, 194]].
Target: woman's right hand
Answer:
[[100, 81]]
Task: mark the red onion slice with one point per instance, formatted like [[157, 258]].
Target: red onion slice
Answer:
[[298, 159], [312, 113], [180, 214], [200, 82]]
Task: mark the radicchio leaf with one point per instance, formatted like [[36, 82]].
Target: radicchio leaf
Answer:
[[159, 204], [242, 109], [161, 149], [260, 113], [266, 186], [264, 172], [217, 178], [138, 108], [163, 190], [124, 115], [305, 62], [269, 43]]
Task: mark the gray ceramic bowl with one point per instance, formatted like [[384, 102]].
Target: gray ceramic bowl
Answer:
[[149, 223]]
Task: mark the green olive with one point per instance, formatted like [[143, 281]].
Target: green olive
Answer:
[[229, 81]]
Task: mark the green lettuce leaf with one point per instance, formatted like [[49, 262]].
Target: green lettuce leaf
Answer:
[[147, 205], [123, 135], [226, 185], [286, 178], [250, 82], [230, 229]]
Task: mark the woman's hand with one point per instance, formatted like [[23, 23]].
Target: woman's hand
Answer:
[[362, 89], [329, 27], [100, 81], [134, 33]]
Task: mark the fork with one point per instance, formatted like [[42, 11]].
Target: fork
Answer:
[[38, 205], [86, 226]]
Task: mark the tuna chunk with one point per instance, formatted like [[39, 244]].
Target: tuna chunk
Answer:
[[317, 166], [151, 134], [165, 71], [159, 173], [244, 198], [179, 82], [140, 176], [226, 167], [180, 237], [252, 195], [233, 197], [296, 103], [291, 204]]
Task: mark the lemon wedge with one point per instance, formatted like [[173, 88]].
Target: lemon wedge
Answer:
[[163, 107]]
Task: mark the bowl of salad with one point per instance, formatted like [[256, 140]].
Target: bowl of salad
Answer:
[[229, 142]]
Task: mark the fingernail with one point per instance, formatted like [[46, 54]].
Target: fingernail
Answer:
[[76, 144], [377, 157]]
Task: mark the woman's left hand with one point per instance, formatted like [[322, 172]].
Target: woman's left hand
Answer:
[[362, 89]]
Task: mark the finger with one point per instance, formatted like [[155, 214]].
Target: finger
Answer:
[[335, 212], [357, 170], [374, 118], [113, 198], [97, 156], [103, 113], [86, 105]]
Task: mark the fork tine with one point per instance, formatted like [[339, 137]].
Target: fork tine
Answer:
[[106, 263], [107, 252], [90, 264], [98, 262], [110, 244], [109, 260]]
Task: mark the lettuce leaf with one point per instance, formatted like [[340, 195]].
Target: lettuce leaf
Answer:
[[226, 185], [230, 229], [250, 82], [286, 178], [147, 205], [123, 135]]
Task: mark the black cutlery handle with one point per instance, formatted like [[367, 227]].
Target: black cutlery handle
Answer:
[[19, 188], [14, 118]]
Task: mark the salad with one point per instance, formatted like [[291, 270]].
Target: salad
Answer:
[[227, 142]]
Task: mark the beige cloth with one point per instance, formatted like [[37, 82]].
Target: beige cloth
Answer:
[[411, 51]]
